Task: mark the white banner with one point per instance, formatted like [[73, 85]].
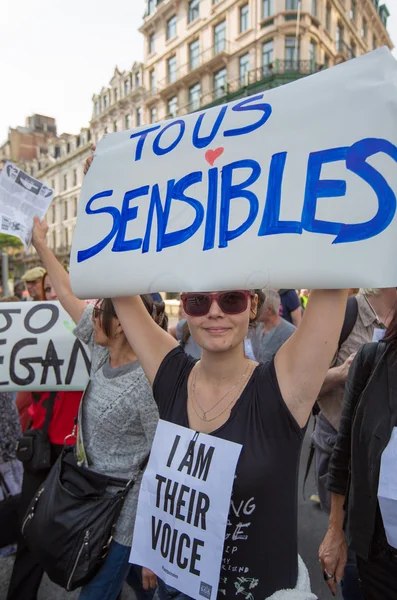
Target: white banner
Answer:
[[183, 507], [22, 197], [293, 187], [38, 350]]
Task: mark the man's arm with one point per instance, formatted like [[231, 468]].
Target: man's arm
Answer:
[[296, 316], [337, 375], [333, 550]]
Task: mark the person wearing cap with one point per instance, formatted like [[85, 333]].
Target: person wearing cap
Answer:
[[33, 279], [19, 289]]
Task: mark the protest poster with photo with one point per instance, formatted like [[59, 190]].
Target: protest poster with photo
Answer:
[[183, 508], [38, 350], [292, 187], [22, 197]]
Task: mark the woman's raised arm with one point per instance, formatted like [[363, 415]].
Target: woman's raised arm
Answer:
[[303, 361], [59, 277], [150, 343]]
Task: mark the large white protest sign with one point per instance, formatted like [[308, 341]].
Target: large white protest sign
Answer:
[[183, 508], [38, 350], [22, 197], [294, 187]]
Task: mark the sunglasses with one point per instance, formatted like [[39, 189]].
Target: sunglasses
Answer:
[[98, 311], [231, 303]]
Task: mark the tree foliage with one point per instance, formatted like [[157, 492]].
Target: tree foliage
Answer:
[[9, 241]]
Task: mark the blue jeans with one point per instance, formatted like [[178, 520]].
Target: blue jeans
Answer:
[[350, 585], [108, 582], [166, 592]]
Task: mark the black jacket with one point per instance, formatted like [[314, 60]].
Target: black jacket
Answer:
[[368, 417]]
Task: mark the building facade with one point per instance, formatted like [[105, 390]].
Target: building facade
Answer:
[[29, 142], [120, 105], [204, 52]]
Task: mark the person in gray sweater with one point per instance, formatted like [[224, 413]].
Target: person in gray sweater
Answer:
[[271, 330], [118, 416]]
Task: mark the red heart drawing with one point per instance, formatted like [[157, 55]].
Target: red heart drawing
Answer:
[[212, 155]]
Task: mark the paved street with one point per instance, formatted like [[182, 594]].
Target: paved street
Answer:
[[312, 526]]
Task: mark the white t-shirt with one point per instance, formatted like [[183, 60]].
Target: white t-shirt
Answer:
[[387, 489]]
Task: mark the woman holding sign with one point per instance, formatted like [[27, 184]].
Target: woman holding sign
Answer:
[[117, 417], [263, 407]]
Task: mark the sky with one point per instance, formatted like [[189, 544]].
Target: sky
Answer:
[[55, 54]]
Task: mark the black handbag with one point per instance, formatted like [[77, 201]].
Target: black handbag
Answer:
[[9, 519], [33, 449], [70, 522]]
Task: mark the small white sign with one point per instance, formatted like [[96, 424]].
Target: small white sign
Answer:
[[38, 350], [183, 508], [293, 187], [387, 490], [22, 197]]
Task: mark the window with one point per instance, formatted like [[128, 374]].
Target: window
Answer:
[[151, 43], [53, 184], [54, 240], [127, 122], [171, 69], [194, 54], [267, 8], [126, 87], [65, 182], [66, 237], [138, 117], [220, 37], [244, 18], [244, 64], [364, 29], [172, 106], [328, 17], [291, 52], [291, 4], [194, 10], [105, 101], [74, 176], [114, 126], [171, 28], [195, 96], [353, 10], [220, 83], [115, 94], [152, 76], [326, 61], [374, 42], [314, 8], [53, 215], [137, 80], [96, 107], [267, 56], [151, 6], [153, 114], [65, 210], [353, 48], [312, 53], [75, 203], [339, 36]]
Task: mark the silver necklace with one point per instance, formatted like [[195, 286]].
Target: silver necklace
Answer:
[[206, 412]]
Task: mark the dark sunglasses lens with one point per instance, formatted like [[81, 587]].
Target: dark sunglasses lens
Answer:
[[197, 305], [233, 302]]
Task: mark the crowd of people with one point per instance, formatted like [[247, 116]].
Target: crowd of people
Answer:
[[246, 366]]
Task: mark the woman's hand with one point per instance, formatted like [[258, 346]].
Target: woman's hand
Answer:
[[39, 232], [333, 556], [149, 579], [89, 160]]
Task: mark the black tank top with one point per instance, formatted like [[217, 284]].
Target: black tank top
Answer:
[[261, 551]]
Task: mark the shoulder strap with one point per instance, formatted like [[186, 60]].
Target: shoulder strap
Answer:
[[48, 412], [350, 320]]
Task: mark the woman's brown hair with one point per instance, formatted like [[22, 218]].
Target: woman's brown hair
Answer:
[[155, 309]]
